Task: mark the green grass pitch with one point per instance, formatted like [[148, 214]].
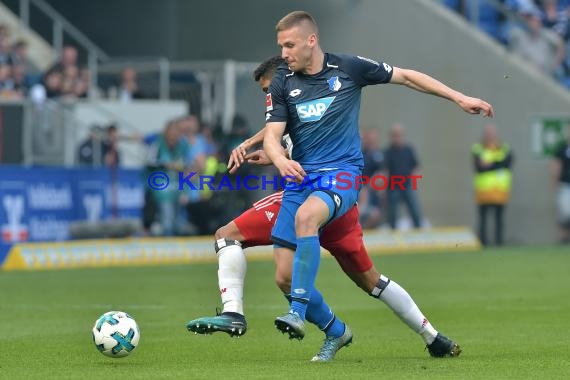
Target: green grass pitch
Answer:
[[508, 308]]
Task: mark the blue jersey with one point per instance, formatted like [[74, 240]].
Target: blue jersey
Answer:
[[322, 110]]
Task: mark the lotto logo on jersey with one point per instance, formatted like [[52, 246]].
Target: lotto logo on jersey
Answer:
[[313, 110]]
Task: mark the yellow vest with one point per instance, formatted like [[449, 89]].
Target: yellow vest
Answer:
[[211, 168], [494, 186]]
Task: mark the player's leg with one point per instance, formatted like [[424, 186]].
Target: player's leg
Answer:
[[337, 333], [318, 312], [343, 238], [323, 205], [232, 267], [251, 228], [284, 236], [313, 213]]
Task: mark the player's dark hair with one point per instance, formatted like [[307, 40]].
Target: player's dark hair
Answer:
[[267, 67], [295, 18]]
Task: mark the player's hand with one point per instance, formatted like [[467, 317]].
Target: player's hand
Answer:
[[258, 158], [291, 170], [475, 106], [237, 157]]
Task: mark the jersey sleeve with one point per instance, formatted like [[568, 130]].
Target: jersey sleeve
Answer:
[[275, 106], [366, 71]]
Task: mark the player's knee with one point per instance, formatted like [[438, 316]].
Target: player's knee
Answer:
[[221, 232], [229, 231], [307, 222]]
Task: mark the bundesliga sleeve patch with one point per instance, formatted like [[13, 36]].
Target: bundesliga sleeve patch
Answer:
[[268, 103]]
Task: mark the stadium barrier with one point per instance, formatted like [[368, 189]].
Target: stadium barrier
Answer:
[[158, 251]]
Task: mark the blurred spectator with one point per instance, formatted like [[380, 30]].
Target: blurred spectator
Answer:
[[492, 161], [20, 53], [21, 84], [65, 78], [197, 202], [369, 209], [5, 48], [111, 155], [167, 154], [369, 201], [128, 86], [489, 19], [240, 132], [561, 177], [70, 76], [68, 59], [53, 80], [101, 147], [90, 151], [8, 88], [373, 155], [211, 146], [536, 45], [400, 160], [555, 17], [190, 132], [82, 83]]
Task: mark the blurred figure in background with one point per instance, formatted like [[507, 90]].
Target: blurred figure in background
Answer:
[[100, 148], [168, 154], [561, 177], [90, 151], [400, 160], [369, 199], [368, 208], [540, 47], [128, 86], [194, 201], [111, 155], [8, 88], [65, 78], [492, 161]]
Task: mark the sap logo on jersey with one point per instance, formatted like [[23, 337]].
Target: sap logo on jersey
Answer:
[[313, 110]]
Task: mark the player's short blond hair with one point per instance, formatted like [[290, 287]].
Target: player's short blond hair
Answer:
[[295, 18]]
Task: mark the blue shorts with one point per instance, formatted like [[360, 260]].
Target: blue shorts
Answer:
[[337, 188]]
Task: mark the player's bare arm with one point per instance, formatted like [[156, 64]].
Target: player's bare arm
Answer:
[[424, 83], [237, 157], [258, 157], [272, 147]]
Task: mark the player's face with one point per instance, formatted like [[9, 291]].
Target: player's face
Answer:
[[297, 46], [264, 83]]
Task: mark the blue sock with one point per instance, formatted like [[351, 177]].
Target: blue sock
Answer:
[[320, 314], [308, 315], [305, 267]]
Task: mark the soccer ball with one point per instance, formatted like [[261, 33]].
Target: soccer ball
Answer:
[[116, 334]]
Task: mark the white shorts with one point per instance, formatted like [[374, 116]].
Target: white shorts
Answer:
[[564, 203]]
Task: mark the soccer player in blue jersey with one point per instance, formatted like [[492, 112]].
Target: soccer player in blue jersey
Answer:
[[342, 237], [317, 99]]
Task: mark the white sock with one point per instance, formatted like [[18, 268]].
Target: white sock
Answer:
[[397, 299], [232, 266]]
